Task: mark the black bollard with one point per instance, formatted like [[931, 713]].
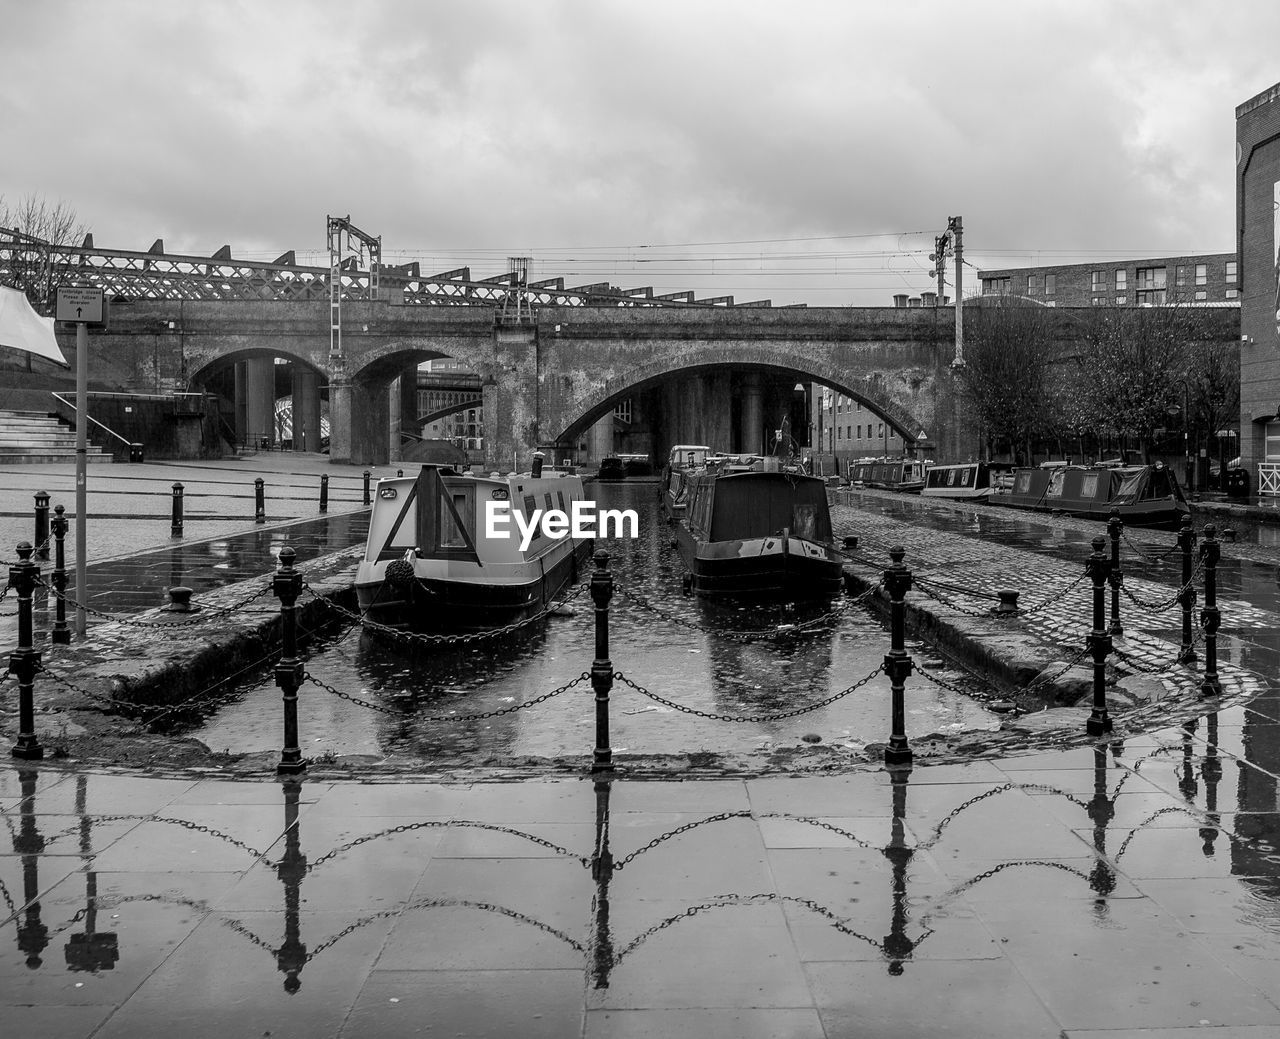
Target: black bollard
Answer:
[[367, 499], [42, 525], [897, 664], [25, 660], [399, 472], [602, 666], [175, 524], [1115, 527], [324, 493], [259, 501], [287, 586], [291, 957], [1210, 615], [61, 634], [1187, 596], [1099, 640]]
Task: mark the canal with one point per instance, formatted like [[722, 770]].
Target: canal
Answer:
[[722, 660]]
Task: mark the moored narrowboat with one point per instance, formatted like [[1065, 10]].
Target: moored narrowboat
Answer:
[[432, 563], [757, 532], [1143, 495], [890, 474], [970, 481]]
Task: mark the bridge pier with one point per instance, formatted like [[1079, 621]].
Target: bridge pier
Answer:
[[306, 409], [260, 400], [751, 426]]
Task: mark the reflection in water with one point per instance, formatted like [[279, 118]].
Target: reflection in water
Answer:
[[914, 917], [709, 656]]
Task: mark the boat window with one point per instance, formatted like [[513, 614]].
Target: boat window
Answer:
[[951, 478], [804, 521], [547, 496], [560, 498], [964, 477], [530, 507], [1089, 486], [1130, 487], [1022, 484], [1056, 480]]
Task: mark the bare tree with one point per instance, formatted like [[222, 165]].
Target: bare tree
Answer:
[[1213, 391], [1008, 373], [1133, 367], [31, 234]]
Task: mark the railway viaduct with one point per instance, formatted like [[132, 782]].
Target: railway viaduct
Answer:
[[717, 375]]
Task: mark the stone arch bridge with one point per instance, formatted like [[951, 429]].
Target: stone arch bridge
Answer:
[[711, 375]]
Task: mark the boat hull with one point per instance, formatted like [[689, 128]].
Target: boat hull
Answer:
[[466, 601], [782, 566]]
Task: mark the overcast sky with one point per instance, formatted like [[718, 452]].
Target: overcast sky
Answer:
[[806, 151]]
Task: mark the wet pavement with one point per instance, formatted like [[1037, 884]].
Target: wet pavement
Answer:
[[1123, 889]]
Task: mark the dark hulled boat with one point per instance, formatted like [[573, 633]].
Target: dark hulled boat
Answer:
[[758, 533], [1143, 495], [683, 460], [890, 474], [970, 481]]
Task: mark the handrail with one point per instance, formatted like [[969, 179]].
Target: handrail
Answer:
[[63, 400]]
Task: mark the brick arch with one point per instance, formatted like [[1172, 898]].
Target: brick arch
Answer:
[[390, 357], [217, 362], [582, 410]]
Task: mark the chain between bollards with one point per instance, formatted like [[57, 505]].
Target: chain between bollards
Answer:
[[1099, 640], [287, 586], [61, 634], [175, 524], [1210, 615], [259, 501], [42, 525], [1115, 527], [897, 664], [1187, 596], [602, 666], [25, 660]]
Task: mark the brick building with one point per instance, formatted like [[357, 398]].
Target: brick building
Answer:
[[1158, 281], [1258, 243]]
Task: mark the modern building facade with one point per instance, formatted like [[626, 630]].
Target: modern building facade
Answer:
[[1157, 281], [1258, 242]]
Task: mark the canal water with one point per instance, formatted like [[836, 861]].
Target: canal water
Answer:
[[709, 658]]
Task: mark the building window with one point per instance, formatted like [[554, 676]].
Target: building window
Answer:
[[995, 286], [1098, 282], [1122, 280], [859, 432], [1181, 276], [1150, 285], [1202, 274], [1233, 293], [879, 429], [1050, 284], [857, 405], [1231, 270], [839, 432], [1098, 301], [1273, 441], [1033, 284], [1201, 294], [1121, 300], [622, 410]]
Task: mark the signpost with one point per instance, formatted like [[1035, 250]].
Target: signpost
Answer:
[[81, 307]]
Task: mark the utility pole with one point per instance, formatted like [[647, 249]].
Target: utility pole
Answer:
[[337, 226], [951, 243]]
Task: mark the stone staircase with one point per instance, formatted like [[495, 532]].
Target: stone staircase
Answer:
[[36, 436]]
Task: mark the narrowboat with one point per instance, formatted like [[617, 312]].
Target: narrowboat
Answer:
[[970, 481], [611, 469], [1143, 495], [634, 465], [433, 561], [682, 460], [892, 474], [753, 531]]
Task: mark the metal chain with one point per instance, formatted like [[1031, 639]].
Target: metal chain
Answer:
[[308, 677], [743, 814], [1140, 668], [1141, 551], [747, 718], [430, 823], [214, 614], [1052, 597], [451, 640], [968, 611]]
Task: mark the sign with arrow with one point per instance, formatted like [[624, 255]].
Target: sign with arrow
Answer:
[[81, 306]]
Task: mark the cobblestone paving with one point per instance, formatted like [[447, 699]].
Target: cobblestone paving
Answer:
[[1057, 599]]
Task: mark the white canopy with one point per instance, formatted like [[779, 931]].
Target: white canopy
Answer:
[[23, 329]]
